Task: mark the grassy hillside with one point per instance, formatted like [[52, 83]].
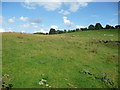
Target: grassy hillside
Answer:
[[71, 60]]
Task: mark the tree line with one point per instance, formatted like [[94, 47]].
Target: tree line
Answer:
[[97, 26]]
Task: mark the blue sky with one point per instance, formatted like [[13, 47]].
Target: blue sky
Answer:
[[40, 17]]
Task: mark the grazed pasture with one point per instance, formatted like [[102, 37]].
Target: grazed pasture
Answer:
[[87, 59]]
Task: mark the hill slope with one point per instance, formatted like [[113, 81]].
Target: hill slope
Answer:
[[72, 60]]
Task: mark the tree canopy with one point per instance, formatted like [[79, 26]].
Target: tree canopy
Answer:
[[98, 26], [52, 31], [91, 27]]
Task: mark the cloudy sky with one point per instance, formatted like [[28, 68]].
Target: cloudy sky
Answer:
[[41, 16]]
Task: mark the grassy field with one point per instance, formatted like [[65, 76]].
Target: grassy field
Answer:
[[70, 60]]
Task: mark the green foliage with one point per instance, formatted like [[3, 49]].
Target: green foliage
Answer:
[[52, 31], [84, 29], [5, 82], [112, 27], [77, 29], [65, 31], [91, 27], [108, 27], [117, 26], [60, 32], [41, 33], [98, 26], [69, 31]]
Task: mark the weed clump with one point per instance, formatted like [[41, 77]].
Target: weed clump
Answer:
[[5, 82], [103, 77], [20, 37], [43, 81]]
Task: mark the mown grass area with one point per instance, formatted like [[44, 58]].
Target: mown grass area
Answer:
[[70, 60]]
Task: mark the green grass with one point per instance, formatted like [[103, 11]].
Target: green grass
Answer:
[[61, 59]]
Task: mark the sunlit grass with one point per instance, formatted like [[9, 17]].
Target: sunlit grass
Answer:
[[28, 58]]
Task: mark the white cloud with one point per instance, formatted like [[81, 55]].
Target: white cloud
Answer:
[[36, 31], [53, 5], [76, 5], [25, 26], [67, 22], [22, 31], [54, 26], [23, 18], [64, 12], [29, 5], [11, 20], [41, 30], [2, 30], [69, 0], [73, 7], [71, 24], [50, 6], [35, 21], [79, 26], [31, 21]]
